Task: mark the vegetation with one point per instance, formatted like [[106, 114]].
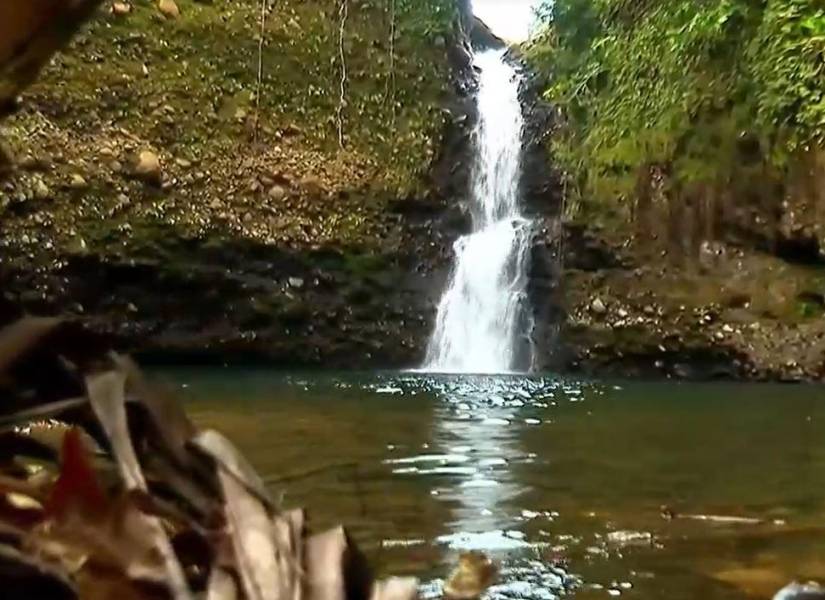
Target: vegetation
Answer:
[[708, 92]]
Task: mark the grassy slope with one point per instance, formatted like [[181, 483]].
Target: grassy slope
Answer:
[[186, 88]]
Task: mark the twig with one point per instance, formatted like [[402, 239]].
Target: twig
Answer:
[[306, 474]]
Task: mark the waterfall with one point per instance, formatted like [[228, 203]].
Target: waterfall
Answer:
[[483, 319]]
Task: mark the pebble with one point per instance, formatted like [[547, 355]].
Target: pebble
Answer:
[[121, 8], [148, 167], [277, 193], [169, 9], [598, 306], [77, 182], [41, 190]]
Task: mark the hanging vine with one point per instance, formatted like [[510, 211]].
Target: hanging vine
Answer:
[[343, 13], [391, 82], [260, 77]]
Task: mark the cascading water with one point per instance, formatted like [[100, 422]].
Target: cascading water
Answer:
[[483, 318]]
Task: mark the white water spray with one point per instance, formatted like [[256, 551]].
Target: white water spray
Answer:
[[483, 318]]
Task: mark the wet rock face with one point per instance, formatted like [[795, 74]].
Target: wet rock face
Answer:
[[236, 302], [541, 193]]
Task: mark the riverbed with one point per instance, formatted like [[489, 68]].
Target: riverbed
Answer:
[[589, 489]]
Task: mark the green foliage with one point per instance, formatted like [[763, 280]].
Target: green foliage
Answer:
[[678, 83], [426, 18]]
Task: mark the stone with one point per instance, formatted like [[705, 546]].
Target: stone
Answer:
[[121, 8], [169, 9], [148, 167], [277, 193], [77, 182], [41, 190], [312, 185], [471, 578], [796, 591], [296, 282], [183, 163], [623, 314], [598, 306]]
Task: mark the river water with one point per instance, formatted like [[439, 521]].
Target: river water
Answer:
[[562, 481]]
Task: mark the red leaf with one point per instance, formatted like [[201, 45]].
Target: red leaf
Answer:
[[77, 487]]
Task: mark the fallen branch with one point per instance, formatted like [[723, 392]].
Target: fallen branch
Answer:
[[31, 31]]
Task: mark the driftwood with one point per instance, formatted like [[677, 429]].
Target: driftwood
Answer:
[[669, 515], [114, 491]]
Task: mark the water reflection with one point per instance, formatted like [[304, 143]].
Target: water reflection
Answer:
[[477, 449]]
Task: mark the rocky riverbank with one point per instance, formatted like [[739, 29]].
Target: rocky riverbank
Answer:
[[729, 313]]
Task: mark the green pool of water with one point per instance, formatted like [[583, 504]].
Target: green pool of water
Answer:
[[561, 481]]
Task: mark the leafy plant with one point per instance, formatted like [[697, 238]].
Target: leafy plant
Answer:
[[679, 83]]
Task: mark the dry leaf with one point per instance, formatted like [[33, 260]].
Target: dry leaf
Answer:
[[335, 568], [221, 586], [222, 451], [395, 588], [107, 394], [250, 527]]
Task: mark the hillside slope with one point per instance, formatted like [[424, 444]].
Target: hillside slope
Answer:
[[181, 182]]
